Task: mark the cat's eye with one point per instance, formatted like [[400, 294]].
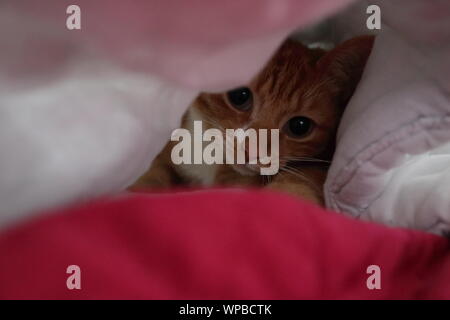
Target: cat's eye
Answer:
[[299, 127], [240, 98]]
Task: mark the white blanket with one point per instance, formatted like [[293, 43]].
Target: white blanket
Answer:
[[392, 163]]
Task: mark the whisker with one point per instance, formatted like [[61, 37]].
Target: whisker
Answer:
[[297, 173], [304, 159]]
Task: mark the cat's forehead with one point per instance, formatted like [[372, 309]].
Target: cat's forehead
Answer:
[[290, 70], [290, 55]]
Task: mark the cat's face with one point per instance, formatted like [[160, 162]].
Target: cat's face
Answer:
[[301, 92]]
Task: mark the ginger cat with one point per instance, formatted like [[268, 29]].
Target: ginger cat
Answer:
[[302, 92]]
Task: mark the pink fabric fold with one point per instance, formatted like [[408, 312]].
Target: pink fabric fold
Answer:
[[218, 245]]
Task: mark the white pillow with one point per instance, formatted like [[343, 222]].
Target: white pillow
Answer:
[[392, 162]]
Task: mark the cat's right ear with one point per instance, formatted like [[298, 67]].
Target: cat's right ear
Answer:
[[343, 66]]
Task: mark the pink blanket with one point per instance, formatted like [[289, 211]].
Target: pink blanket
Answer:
[[184, 246]]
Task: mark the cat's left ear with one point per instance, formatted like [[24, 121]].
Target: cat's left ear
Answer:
[[342, 67]]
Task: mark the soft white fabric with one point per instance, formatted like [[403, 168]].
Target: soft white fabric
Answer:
[[73, 124], [392, 163]]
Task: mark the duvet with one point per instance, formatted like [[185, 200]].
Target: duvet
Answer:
[[185, 246]]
